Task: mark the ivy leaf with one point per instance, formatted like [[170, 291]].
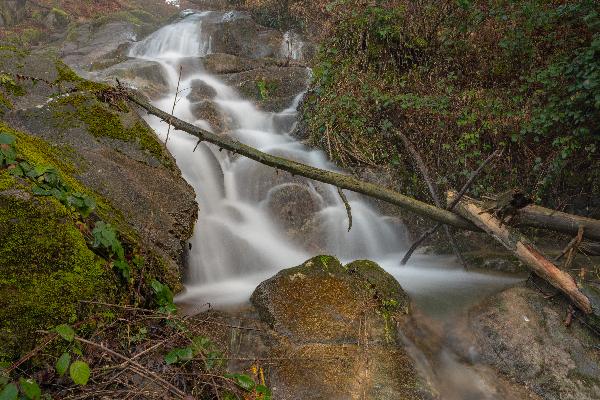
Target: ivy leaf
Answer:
[[242, 380], [30, 389], [80, 372], [66, 332], [62, 365], [10, 392]]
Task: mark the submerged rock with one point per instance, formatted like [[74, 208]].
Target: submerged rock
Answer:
[[341, 322], [523, 335]]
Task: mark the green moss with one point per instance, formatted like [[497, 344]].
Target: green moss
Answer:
[[103, 120], [46, 269]]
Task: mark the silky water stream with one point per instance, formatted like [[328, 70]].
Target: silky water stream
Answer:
[[238, 242]]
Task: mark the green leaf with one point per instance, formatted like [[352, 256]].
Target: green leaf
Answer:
[[179, 355], [5, 138], [242, 380], [30, 389], [80, 372], [62, 365], [66, 332], [264, 392], [10, 392]]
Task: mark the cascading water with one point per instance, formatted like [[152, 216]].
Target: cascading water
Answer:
[[238, 242]]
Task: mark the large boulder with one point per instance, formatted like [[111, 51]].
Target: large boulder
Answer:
[[341, 322], [523, 335], [107, 152], [272, 88], [236, 33]]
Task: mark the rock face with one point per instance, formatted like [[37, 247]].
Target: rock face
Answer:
[[105, 151], [145, 75], [272, 88], [11, 12], [523, 335], [340, 320]]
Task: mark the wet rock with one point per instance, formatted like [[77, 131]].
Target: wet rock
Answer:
[[523, 335], [200, 90], [208, 111], [144, 75], [272, 88], [338, 321], [294, 207], [87, 44], [220, 63], [56, 19], [236, 33]]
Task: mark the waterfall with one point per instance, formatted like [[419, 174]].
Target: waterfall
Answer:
[[237, 241]]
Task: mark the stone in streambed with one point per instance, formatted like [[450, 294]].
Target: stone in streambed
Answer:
[[523, 335], [200, 90], [340, 321]]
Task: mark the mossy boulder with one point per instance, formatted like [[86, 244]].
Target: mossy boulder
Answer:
[[104, 150], [341, 321], [46, 268]]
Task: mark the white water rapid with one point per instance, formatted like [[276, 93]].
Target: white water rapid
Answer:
[[238, 241]]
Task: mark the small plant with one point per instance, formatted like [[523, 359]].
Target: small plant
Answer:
[[105, 237], [260, 391], [79, 371], [46, 179], [163, 297]]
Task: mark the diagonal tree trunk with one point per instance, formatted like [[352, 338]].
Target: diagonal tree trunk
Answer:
[[517, 243]]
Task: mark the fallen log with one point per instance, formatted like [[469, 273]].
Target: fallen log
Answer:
[[517, 243], [529, 216], [558, 221]]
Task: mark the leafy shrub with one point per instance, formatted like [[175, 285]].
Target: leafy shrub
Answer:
[[462, 79]]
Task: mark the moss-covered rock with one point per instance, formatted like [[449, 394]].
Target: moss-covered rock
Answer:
[[46, 268], [341, 321], [105, 151]]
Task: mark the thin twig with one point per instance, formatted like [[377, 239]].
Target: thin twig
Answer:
[[348, 207], [141, 369], [174, 102], [451, 206]]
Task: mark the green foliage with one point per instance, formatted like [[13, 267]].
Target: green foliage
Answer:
[[247, 383], [62, 364], [47, 180], [163, 297], [80, 372], [461, 82], [30, 389], [105, 237], [179, 355], [65, 332], [10, 392]]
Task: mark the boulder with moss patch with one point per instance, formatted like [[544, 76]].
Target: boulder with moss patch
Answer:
[[341, 321], [105, 151]]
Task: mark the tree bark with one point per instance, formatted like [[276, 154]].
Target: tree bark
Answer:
[[545, 218], [529, 216], [514, 241]]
